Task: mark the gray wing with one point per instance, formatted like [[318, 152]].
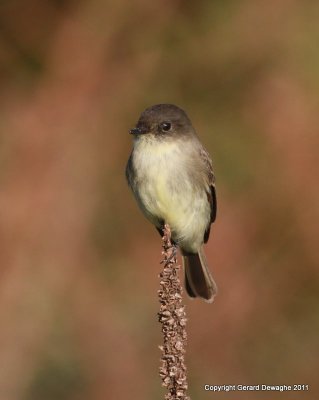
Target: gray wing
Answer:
[[211, 194], [129, 172]]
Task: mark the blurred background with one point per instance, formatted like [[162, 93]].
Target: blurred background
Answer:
[[79, 263]]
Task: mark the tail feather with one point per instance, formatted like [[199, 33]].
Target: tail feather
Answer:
[[198, 279]]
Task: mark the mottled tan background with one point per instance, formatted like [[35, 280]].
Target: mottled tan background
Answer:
[[79, 264]]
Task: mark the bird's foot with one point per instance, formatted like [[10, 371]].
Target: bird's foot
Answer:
[[170, 248]]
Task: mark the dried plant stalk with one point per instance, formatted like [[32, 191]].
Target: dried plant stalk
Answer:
[[172, 316]]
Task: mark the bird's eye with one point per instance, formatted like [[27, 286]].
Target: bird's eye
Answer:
[[166, 126]]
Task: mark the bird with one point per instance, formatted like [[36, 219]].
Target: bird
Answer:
[[171, 176]]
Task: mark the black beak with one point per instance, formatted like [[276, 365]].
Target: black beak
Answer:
[[138, 131]]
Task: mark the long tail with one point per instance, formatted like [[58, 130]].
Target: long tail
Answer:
[[198, 279]]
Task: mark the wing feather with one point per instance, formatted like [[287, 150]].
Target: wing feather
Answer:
[[211, 193]]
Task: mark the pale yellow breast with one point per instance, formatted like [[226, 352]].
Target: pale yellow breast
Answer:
[[167, 192], [158, 164]]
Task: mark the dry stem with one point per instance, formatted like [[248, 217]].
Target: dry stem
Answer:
[[172, 316]]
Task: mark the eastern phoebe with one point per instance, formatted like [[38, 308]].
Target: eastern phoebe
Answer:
[[171, 176]]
